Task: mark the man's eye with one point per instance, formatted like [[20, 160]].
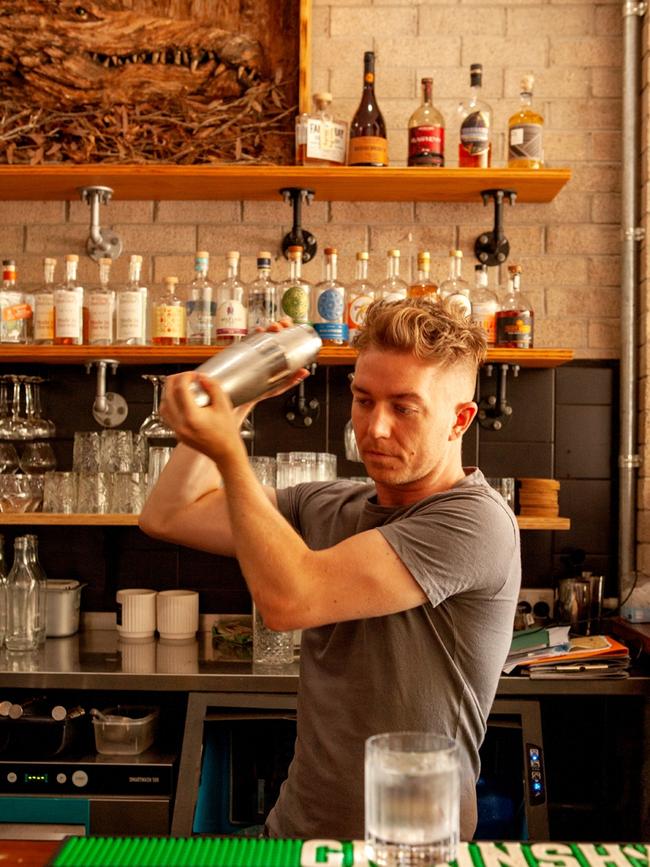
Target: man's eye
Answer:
[[405, 410], [361, 401]]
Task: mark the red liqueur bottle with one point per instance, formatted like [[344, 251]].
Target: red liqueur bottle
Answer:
[[426, 131]]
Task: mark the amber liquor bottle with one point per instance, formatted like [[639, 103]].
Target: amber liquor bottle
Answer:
[[426, 131], [368, 143], [424, 286], [516, 318], [525, 131], [475, 146]]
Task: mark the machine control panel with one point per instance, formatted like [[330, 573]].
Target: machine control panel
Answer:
[[535, 770]]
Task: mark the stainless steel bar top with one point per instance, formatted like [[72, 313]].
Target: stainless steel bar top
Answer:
[[98, 659]]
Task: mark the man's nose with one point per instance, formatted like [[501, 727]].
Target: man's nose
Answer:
[[379, 426]]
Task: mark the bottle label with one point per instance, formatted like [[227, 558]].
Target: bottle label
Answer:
[[169, 321], [329, 305], [100, 317], [201, 314], [368, 150], [515, 328], [460, 302], [357, 311], [295, 303], [44, 316], [426, 146], [13, 313], [475, 133], [336, 331], [484, 315], [326, 140], [130, 316], [525, 142], [68, 317], [231, 318]]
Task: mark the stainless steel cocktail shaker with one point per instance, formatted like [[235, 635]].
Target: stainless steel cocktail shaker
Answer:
[[262, 360]]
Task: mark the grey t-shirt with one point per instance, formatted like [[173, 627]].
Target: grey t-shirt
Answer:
[[435, 667]]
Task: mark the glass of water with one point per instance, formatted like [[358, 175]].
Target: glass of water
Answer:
[[269, 646], [412, 799]]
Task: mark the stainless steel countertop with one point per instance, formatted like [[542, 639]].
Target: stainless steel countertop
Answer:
[[98, 659]]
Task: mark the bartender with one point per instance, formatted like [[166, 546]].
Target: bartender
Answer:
[[405, 588]]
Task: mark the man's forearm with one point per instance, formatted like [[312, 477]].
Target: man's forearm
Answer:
[[272, 556]]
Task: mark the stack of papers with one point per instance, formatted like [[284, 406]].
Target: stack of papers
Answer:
[[586, 656]]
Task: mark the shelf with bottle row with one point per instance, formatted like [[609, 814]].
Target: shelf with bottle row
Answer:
[[328, 356], [51, 519], [236, 182]]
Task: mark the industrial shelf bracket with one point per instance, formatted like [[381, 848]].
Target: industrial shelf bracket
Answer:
[[101, 242], [494, 411], [298, 236], [299, 410], [109, 409], [492, 248]]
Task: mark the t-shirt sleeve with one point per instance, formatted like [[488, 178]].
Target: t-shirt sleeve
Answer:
[[461, 544]]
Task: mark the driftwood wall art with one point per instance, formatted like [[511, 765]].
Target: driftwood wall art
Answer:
[[148, 81]]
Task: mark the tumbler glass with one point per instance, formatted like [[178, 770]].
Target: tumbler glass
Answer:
[[85, 452], [158, 457], [269, 646], [115, 451], [264, 469], [60, 493], [93, 493], [412, 799], [127, 493]]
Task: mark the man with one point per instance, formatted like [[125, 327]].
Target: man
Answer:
[[406, 591]]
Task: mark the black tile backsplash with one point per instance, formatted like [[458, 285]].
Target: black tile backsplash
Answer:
[[563, 424]]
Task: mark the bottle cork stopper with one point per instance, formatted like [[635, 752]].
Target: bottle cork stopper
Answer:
[[424, 254], [232, 254], [171, 280], [395, 254], [457, 254], [363, 255], [202, 254], [330, 251], [527, 82], [322, 98], [295, 252], [106, 261], [137, 260], [264, 254], [49, 261], [72, 257]]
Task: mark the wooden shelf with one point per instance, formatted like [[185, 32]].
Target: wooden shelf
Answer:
[[346, 183], [530, 522], [196, 354], [53, 520]]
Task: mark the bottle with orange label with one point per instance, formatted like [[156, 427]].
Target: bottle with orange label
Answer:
[[368, 143], [15, 311], [424, 286], [359, 296]]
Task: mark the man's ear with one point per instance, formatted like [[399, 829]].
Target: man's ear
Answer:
[[465, 413]]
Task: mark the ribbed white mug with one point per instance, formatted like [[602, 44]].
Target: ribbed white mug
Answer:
[[177, 614], [136, 613]]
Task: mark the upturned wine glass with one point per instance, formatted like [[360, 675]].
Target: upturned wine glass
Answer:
[[154, 426]]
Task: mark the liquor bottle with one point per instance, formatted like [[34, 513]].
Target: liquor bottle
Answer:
[[295, 292], [70, 313], [201, 304], [485, 304], [328, 314], [475, 145], [101, 308], [393, 288], [231, 315], [320, 139], [424, 287], [262, 302], [131, 308], [359, 296], [368, 142], [14, 311], [454, 291], [426, 131], [41, 577], [516, 318], [23, 602], [525, 132], [3, 592], [44, 306], [168, 316]]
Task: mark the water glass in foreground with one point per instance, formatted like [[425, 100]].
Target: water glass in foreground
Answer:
[[412, 799], [270, 646]]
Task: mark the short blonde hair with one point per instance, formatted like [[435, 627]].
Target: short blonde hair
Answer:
[[430, 330]]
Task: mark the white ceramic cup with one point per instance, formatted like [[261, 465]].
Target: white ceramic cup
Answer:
[[177, 614], [136, 613]]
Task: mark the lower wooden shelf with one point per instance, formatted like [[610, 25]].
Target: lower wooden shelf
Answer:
[[529, 522]]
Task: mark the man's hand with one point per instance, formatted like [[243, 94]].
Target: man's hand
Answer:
[[212, 430]]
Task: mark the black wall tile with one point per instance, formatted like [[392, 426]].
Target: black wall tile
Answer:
[[588, 503], [583, 444], [531, 396], [516, 459], [583, 383]]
